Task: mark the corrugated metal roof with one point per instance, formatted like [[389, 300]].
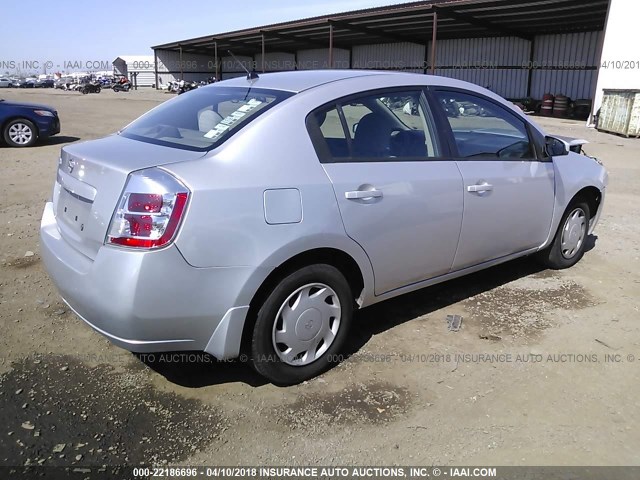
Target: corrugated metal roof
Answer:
[[409, 22]]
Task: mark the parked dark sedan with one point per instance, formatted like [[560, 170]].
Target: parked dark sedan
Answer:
[[26, 83], [46, 83], [22, 124]]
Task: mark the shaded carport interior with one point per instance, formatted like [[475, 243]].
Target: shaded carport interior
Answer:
[[422, 23]]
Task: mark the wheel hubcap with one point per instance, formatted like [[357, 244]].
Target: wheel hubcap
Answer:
[[20, 133], [306, 324], [573, 233]]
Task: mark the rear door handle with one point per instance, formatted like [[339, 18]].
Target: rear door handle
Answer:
[[363, 194], [482, 187]]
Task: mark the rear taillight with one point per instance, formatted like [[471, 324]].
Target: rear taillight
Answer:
[[150, 210]]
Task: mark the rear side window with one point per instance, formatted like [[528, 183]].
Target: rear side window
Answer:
[[333, 132], [482, 129], [204, 118], [386, 126]]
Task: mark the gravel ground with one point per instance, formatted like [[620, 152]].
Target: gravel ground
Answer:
[[525, 381]]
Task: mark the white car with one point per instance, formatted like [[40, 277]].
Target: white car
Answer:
[[251, 217], [5, 82]]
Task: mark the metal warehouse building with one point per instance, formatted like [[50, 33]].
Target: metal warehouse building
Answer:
[[142, 65], [517, 49]]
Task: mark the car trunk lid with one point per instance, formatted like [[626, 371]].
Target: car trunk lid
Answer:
[[90, 179]]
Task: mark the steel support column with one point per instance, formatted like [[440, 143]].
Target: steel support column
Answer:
[[215, 56], [330, 45], [532, 47], [434, 35], [155, 63], [263, 53]]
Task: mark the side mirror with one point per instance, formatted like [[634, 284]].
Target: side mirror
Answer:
[[555, 147], [354, 127]]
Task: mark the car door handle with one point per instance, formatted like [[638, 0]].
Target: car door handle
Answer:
[[482, 187], [363, 194]]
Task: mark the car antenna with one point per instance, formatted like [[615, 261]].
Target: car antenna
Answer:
[[251, 75]]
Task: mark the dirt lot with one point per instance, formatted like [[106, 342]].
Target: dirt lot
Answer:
[[411, 392]]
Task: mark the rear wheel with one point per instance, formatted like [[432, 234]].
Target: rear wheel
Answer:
[[567, 247], [301, 325], [20, 133]]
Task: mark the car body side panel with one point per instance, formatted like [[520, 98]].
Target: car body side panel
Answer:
[[573, 172], [512, 217], [411, 232]]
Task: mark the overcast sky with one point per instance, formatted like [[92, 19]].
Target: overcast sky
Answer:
[[65, 32]]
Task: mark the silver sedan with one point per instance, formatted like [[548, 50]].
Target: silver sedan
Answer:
[[253, 216]]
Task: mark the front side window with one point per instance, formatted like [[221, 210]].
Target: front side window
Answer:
[[482, 129], [204, 118], [389, 126]]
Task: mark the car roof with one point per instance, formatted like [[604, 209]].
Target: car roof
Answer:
[[300, 80]]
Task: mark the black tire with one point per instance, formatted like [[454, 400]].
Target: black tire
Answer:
[[26, 127], [98, 90], [85, 90], [557, 257], [264, 358]]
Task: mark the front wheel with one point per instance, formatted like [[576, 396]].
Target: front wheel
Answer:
[[20, 133], [302, 325], [568, 245]]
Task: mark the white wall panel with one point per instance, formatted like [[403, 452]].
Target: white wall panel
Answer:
[[509, 83], [389, 56], [318, 59], [482, 52], [276, 61], [567, 50], [145, 79], [562, 64], [493, 63], [171, 61], [566, 64], [229, 64], [575, 84], [620, 63]]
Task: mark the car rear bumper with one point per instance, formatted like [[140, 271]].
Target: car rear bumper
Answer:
[[148, 301]]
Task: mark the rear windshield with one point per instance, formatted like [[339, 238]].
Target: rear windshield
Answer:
[[203, 118]]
